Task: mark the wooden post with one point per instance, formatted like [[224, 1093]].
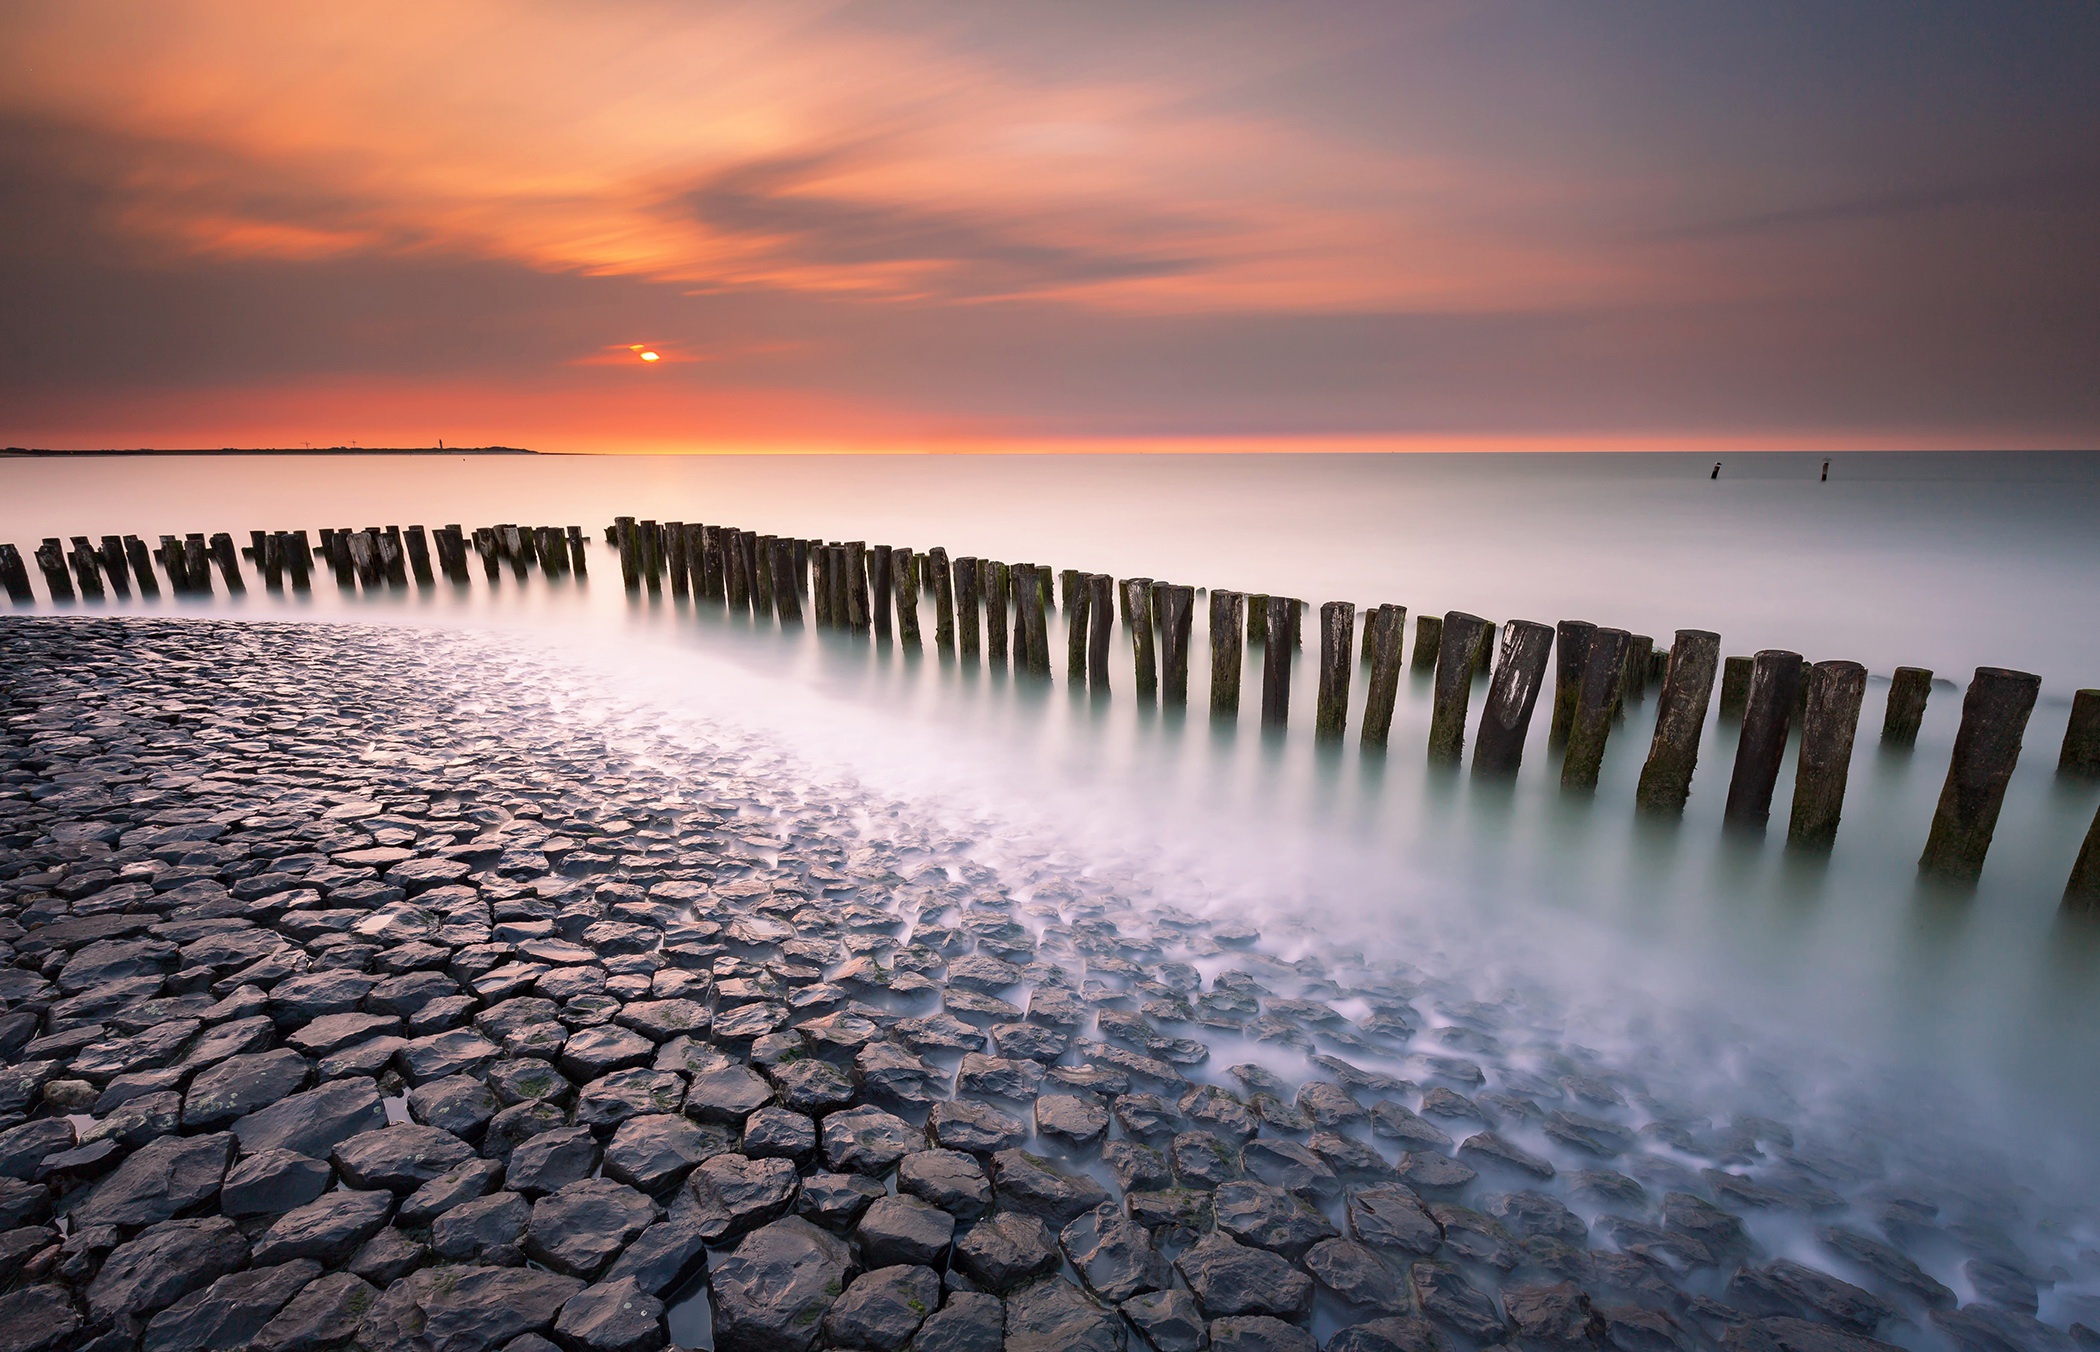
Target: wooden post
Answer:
[[754, 580], [1227, 650], [905, 565], [1460, 637], [1484, 654], [1079, 610], [966, 606], [1071, 585], [2081, 749], [1909, 689], [857, 607], [630, 552], [680, 564], [1666, 779], [492, 554], [87, 568], [1768, 711], [820, 587], [229, 560], [992, 578], [1828, 725], [943, 599], [197, 555], [1276, 654], [1100, 628], [58, 580], [364, 554], [787, 597], [1022, 652], [111, 556], [1390, 626], [1035, 624], [736, 569], [1337, 631], [1633, 684], [577, 563], [2082, 892], [1257, 621], [149, 588], [1137, 599], [14, 576], [419, 556], [1735, 687], [1571, 649], [1429, 637], [1993, 720], [881, 590], [1520, 674], [1588, 734], [1175, 625], [393, 558]]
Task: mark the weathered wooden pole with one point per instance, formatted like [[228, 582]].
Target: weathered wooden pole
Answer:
[[1390, 625], [881, 589], [968, 599], [1137, 599], [841, 561], [681, 565], [1020, 580], [1571, 653], [1688, 685], [419, 556], [858, 609], [754, 572], [87, 569], [2081, 750], [1175, 625], [1035, 623], [630, 552], [1079, 610], [1100, 629], [1071, 585], [1595, 700], [787, 597], [1735, 687], [1829, 722], [111, 556], [1257, 620], [820, 587], [386, 544], [1022, 644], [196, 554], [364, 556], [576, 559], [1768, 712], [142, 565], [943, 599], [229, 560], [2082, 892], [995, 586], [714, 565], [736, 570], [58, 579], [1484, 651], [1276, 653], [1429, 639], [1227, 650], [905, 564], [1993, 720], [1337, 630], [1459, 641], [1633, 684], [14, 576], [1520, 673]]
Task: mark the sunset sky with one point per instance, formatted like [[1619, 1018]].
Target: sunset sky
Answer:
[[1168, 223]]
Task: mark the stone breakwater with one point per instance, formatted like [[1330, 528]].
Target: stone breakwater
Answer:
[[354, 999]]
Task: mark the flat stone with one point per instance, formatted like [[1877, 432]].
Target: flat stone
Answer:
[[231, 1311], [1269, 1218], [160, 1180], [1556, 1314], [772, 1291], [242, 1084], [327, 1229], [1171, 1321], [837, 1200], [313, 1122], [1229, 1278], [1447, 1298], [165, 1263], [974, 1127], [487, 1229], [813, 1087], [1056, 1316], [581, 1228], [866, 1140], [656, 1151], [1077, 1121], [552, 1160], [459, 1104], [776, 1132], [612, 1099], [904, 1230], [1356, 1273], [1032, 1186], [1389, 1216], [1259, 1333], [594, 1052], [37, 1319], [522, 1079], [999, 1077], [464, 1309], [1113, 1254], [1202, 1159], [399, 1158], [459, 1051], [1489, 1147], [970, 1321], [388, 1256], [662, 1257], [461, 1183], [883, 1308], [732, 1193], [728, 1092], [323, 1315], [333, 1031], [1435, 1173], [1005, 1250], [1402, 1333], [613, 1316], [949, 1179]]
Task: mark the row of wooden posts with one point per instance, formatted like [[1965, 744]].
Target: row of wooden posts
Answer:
[[1596, 670], [877, 590]]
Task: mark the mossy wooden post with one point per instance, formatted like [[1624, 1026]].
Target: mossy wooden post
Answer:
[[1101, 629], [2082, 892], [1460, 637], [695, 559], [714, 567], [1429, 639], [881, 589], [1276, 654], [197, 554], [736, 569], [630, 552], [1079, 611], [1680, 717], [2080, 756], [1598, 695], [680, 565], [1258, 620], [747, 542], [1175, 626], [1633, 682], [15, 576], [419, 556], [228, 558], [858, 610], [1994, 716], [943, 599], [841, 586], [1484, 654], [1505, 720], [1337, 633], [787, 597], [1137, 599], [1023, 649], [149, 588], [1768, 712], [58, 580], [905, 565], [993, 583], [1035, 623], [1389, 625], [1071, 585], [581, 567], [1571, 651], [1829, 722], [1735, 687], [110, 554], [967, 605], [1227, 650]]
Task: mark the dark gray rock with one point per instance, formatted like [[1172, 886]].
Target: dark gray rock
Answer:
[[459, 1104], [1259, 1333], [656, 1151], [837, 1200], [613, 1316], [1175, 1209], [976, 1128], [37, 1319], [1005, 1250], [732, 1193], [162, 1179], [523, 1079], [462, 1183], [813, 1087], [1449, 1299], [1785, 1334], [165, 1263], [1136, 1167], [1555, 1315], [1229, 1278], [728, 1092], [1033, 1186], [332, 1032], [552, 1160], [399, 1158], [486, 1230], [611, 1099], [1170, 1321], [1390, 1216], [328, 1229], [890, 1074], [1887, 1262], [1356, 1273], [581, 1228], [1531, 1214], [779, 1133], [1490, 1149], [592, 1053], [387, 1257], [904, 1230], [314, 1122], [867, 1141], [323, 1315], [1478, 1238], [1269, 1218], [999, 1077], [1113, 1254], [1438, 1175], [231, 1311], [1053, 1315], [23, 1148], [883, 1308], [1403, 1333], [1721, 1233], [949, 1179], [139, 1120], [1076, 1120], [971, 1321], [453, 1309], [1786, 1287], [458, 1051], [521, 1122], [662, 1257], [772, 1291], [1202, 1159]]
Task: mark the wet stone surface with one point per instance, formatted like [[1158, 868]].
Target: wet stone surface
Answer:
[[359, 990]]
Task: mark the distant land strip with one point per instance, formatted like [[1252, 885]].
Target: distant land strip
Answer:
[[23, 451]]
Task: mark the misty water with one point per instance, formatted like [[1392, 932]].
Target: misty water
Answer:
[[1955, 1036]]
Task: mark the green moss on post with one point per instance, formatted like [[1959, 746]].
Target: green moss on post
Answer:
[[992, 578], [1079, 609], [1994, 716], [1137, 600], [1829, 722], [1680, 717], [943, 599], [1429, 640], [1035, 624]]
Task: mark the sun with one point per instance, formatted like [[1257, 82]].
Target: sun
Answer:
[[642, 350]]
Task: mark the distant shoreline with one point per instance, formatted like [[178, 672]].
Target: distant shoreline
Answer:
[[20, 452]]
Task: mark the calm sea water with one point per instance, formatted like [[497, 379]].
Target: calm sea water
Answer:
[[1848, 989]]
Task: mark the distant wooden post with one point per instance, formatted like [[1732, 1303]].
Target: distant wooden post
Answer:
[[1035, 625], [943, 599], [1994, 716], [736, 577], [1768, 711], [1227, 650], [364, 555], [1735, 687], [1337, 633], [2082, 892], [393, 555], [142, 566], [714, 564], [1458, 654], [196, 555], [1276, 654], [1101, 629], [882, 597], [577, 561], [968, 598], [1071, 585], [51, 560], [1175, 626], [1633, 684], [1257, 620], [1389, 625], [419, 556], [904, 565], [1520, 674], [997, 586], [754, 577], [87, 569], [675, 552], [1137, 599], [1666, 780], [1590, 732], [111, 557], [630, 552], [787, 597], [859, 608], [1429, 640], [1828, 724], [2081, 750], [14, 576], [229, 560], [1079, 609]]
